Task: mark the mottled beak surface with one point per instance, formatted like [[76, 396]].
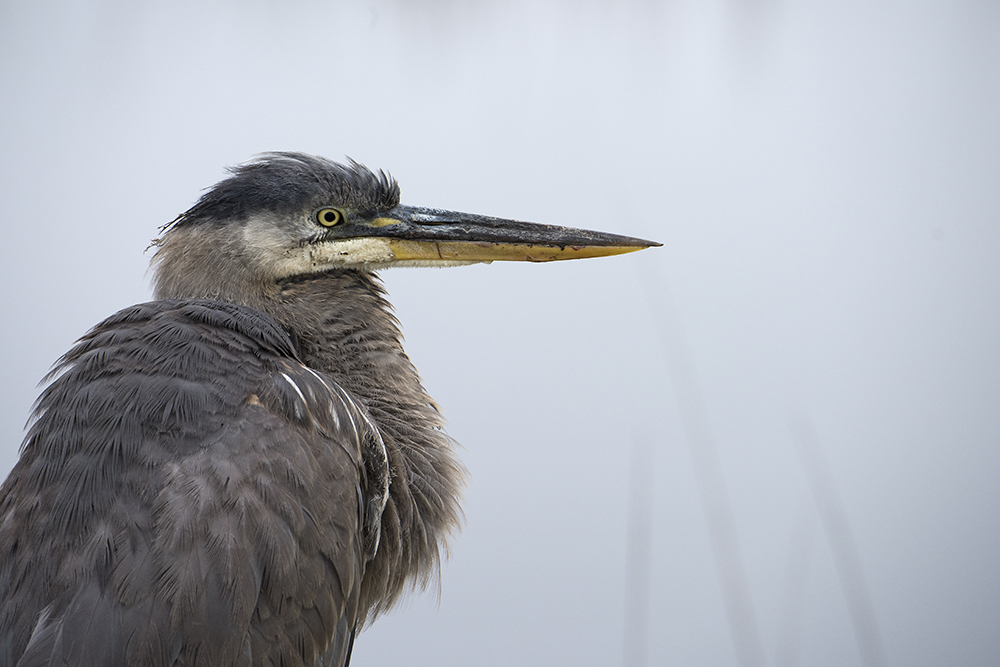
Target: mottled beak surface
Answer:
[[428, 235]]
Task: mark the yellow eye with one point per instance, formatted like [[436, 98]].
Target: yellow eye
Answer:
[[328, 217]]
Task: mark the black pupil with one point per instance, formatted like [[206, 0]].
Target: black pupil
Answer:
[[329, 216]]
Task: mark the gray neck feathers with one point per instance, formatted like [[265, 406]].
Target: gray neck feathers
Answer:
[[345, 328], [342, 325], [182, 255]]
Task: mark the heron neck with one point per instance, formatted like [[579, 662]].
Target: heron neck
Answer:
[[343, 326]]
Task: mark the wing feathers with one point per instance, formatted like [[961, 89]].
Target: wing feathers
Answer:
[[189, 494]]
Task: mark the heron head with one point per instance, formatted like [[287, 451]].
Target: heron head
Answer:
[[289, 214]]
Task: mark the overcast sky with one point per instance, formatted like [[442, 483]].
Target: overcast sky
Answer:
[[801, 388]]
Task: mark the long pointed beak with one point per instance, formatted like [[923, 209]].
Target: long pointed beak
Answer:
[[427, 234]]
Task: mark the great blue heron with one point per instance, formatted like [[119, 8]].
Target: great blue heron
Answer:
[[244, 470]]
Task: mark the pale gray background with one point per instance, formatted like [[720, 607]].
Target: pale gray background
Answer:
[[825, 178]]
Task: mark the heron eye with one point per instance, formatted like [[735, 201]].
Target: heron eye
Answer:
[[328, 217]]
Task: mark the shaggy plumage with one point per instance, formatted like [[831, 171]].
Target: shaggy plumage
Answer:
[[236, 481], [243, 472]]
